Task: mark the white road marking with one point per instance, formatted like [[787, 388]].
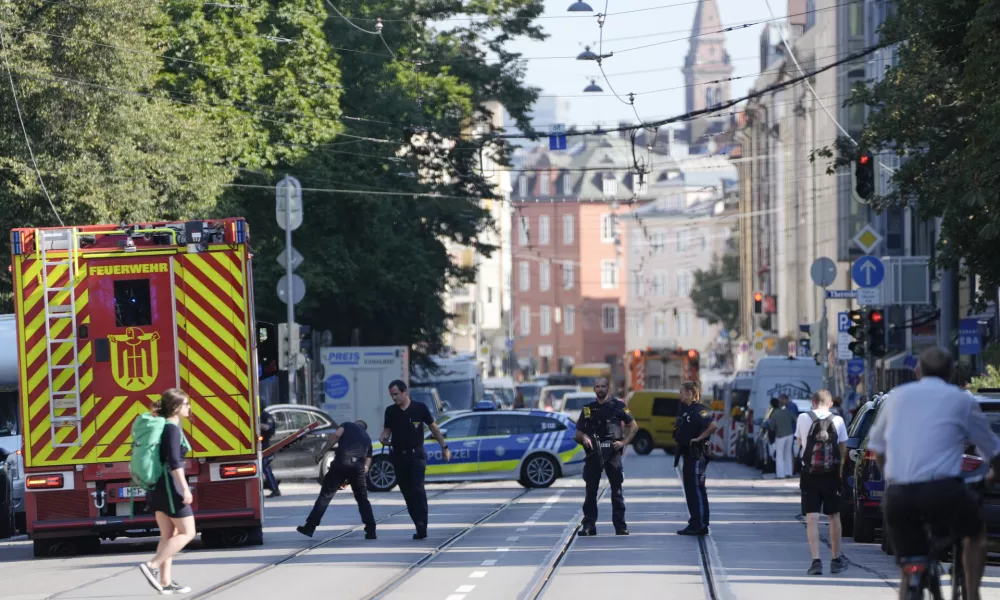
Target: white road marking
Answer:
[[488, 563], [478, 574], [456, 597], [465, 589], [503, 549], [513, 538], [522, 528]]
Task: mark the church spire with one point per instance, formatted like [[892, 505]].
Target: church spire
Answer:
[[706, 71]]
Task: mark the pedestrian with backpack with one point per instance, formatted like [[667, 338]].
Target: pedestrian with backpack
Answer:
[[822, 439], [158, 450]]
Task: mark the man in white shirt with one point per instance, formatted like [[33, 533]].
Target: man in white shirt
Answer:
[[823, 445], [919, 438]]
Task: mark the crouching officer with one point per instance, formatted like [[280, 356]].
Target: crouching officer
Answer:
[[694, 427], [601, 433], [350, 466]]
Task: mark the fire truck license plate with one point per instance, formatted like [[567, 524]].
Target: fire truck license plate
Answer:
[[125, 493]]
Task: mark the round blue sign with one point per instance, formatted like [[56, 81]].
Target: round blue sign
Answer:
[[337, 386]]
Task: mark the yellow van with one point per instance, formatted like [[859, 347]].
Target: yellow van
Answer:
[[656, 412]]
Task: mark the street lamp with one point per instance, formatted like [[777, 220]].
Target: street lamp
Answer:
[[579, 6], [593, 87], [587, 54]]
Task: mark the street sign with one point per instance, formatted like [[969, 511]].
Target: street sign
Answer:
[[855, 366], [744, 347], [969, 341], [823, 271], [868, 297], [853, 380], [298, 289], [289, 190], [910, 361], [867, 239], [868, 271], [841, 294], [510, 345], [557, 137], [843, 338], [296, 258]]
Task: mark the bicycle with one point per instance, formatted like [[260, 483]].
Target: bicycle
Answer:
[[923, 573]]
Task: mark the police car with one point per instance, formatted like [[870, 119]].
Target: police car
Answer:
[[534, 447]]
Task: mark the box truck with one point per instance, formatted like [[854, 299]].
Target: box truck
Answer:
[[356, 382]]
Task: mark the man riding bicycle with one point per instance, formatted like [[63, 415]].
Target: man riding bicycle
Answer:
[[919, 438]]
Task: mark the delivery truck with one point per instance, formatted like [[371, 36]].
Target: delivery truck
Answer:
[[356, 382]]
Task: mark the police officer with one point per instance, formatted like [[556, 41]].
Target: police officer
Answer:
[[350, 466], [404, 422], [267, 429], [601, 433], [694, 427]]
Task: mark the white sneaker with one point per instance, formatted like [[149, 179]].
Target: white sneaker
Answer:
[[175, 588], [151, 575]]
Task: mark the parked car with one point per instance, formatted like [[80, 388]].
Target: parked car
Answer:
[[572, 404], [533, 447], [297, 460], [530, 392], [7, 520], [857, 432], [551, 393]]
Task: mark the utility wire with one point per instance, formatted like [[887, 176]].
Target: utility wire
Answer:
[[24, 129]]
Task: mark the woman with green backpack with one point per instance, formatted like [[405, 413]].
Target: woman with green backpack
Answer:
[[158, 440]]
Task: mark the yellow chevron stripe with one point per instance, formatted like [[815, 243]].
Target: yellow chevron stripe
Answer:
[[199, 262], [225, 384], [226, 264], [215, 350], [200, 388]]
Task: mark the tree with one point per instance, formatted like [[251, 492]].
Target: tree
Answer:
[[108, 147], [937, 110], [708, 298]]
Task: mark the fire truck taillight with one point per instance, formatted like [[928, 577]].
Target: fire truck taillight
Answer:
[[637, 353], [43, 482], [238, 470]]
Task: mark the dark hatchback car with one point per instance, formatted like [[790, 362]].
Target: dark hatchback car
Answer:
[[298, 460], [862, 481]]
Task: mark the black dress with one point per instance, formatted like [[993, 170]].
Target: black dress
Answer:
[[173, 457]]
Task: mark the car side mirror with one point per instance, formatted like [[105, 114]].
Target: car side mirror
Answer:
[[853, 443]]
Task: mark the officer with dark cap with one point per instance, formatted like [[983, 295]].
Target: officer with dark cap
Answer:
[[694, 426], [602, 435]]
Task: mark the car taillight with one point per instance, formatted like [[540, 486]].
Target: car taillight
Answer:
[[971, 463], [238, 470], [43, 482]]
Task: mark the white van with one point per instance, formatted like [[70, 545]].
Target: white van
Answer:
[[798, 378], [456, 380]]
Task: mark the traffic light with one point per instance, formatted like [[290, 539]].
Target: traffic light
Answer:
[[758, 303], [876, 333], [864, 176], [284, 339], [857, 331]]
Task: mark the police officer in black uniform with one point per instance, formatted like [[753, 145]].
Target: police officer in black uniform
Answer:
[[601, 433], [404, 422], [350, 466], [694, 426]]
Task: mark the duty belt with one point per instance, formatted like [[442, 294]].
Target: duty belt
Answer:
[[407, 451]]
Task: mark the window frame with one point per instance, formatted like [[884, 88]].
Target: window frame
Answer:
[[615, 311]]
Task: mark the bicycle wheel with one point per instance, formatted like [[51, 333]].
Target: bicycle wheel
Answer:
[[958, 591]]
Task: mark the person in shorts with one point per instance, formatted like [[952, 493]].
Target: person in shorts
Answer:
[[176, 524], [820, 482]]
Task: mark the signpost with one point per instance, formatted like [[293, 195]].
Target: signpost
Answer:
[[867, 239], [823, 273], [855, 366], [288, 211], [843, 338], [557, 137], [868, 272], [969, 341], [841, 294]]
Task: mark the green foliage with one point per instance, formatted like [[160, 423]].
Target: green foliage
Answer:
[[936, 109], [706, 294], [991, 379]]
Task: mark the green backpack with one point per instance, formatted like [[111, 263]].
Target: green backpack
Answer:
[[145, 467]]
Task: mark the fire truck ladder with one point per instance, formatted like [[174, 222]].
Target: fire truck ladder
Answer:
[[68, 400]]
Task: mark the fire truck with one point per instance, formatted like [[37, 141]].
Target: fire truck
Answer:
[[108, 317], [661, 368]]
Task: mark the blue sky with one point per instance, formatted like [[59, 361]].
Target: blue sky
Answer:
[[637, 71]]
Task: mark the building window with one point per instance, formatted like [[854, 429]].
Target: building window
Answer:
[[567, 184], [522, 186], [489, 295], [522, 234], [543, 230], [610, 186], [607, 228], [703, 324], [569, 320], [609, 320], [637, 284], [680, 241], [544, 276], [543, 183], [639, 325], [684, 282], [568, 229], [567, 272], [609, 274], [659, 283], [525, 320], [660, 326], [545, 321], [683, 324], [658, 242], [709, 97], [524, 275], [703, 235]]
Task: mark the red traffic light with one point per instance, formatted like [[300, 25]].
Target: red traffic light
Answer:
[[692, 354], [876, 316], [864, 159], [757, 297]]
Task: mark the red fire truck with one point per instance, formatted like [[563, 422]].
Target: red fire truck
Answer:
[[661, 368], [107, 318]]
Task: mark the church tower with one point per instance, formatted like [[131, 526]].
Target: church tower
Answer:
[[707, 61]]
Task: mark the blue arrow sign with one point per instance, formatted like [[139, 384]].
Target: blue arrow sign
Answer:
[[855, 366], [868, 271]]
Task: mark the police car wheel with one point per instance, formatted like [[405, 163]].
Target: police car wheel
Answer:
[[381, 475], [539, 471], [643, 443]]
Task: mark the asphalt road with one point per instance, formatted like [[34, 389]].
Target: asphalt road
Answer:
[[497, 541]]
